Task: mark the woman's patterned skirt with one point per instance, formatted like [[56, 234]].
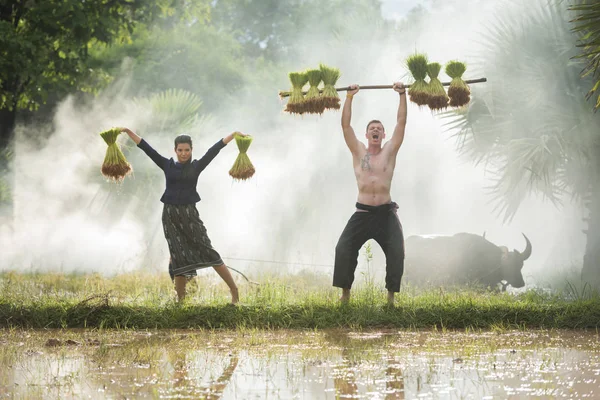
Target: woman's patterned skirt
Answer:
[[189, 245]]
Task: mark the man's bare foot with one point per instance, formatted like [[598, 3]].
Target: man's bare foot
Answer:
[[345, 296], [235, 297], [390, 298]]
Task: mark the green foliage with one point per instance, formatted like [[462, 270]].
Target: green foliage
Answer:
[[196, 58], [43, 45], [172, 110], [145, 300], [196, 45], [587, 23]]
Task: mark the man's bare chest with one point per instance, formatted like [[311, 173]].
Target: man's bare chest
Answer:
[[373, 164]]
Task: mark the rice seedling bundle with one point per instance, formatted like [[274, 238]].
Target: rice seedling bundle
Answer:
[[242, 167], [330, 97], [438, 99], [458, 91], [313, 101], [295, 103], [115, 166], [419, 91]]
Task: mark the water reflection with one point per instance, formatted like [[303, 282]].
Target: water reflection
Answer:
[[300, 365], [353, 347], [185, 377], [394, 383]]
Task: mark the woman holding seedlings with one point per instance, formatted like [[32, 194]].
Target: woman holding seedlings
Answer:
[[189, 245]]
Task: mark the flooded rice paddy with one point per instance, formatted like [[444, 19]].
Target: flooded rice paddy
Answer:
[[334, 364]]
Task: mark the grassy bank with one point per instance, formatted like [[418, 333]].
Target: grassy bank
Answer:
[[140, 301]]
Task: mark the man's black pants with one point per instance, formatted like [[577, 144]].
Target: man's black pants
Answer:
[[380, 223]]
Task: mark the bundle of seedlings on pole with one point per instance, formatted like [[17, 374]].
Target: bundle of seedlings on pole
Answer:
[[313, 102], [115, 166], [419, 91], [458, 91], [331, 99], [295, 103], [438, 99], [242, 167]]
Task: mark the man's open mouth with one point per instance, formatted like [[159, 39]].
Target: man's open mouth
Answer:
[[375, 137]]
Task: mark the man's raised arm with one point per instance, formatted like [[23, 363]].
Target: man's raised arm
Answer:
[[398, 136], [349, 135]]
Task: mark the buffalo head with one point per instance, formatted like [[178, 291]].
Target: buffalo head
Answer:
[[512, 263]]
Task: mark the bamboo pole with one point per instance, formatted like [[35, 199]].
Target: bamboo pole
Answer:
[[340, 89]]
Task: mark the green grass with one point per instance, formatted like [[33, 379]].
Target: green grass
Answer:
[[301, 301]]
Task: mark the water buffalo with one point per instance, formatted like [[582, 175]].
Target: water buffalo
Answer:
[[461, 259]]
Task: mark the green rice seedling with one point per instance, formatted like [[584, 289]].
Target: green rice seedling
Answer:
[[438, 99], [418, 92], [298, 80], [242, 167], [115, 166], [458, 91], [313, 101], [330, 97]]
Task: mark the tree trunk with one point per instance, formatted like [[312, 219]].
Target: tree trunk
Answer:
[[8, 119], [7, 129], [591, 260]]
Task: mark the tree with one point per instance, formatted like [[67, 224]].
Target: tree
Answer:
[[530, 124], [43, 46], [587, 23], [44, 51]]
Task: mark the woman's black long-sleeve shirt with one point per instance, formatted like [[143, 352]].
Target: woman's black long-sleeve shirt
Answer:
[[181, 179]]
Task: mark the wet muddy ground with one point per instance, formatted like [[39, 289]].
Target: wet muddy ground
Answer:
[[281, 364]]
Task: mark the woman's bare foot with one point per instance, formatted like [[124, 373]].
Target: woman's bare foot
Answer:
[[224, 273], [235, 297], [180, 283]]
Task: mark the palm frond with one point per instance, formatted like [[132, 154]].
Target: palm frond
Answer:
[[173, 110], [529, 125], [587, 23]]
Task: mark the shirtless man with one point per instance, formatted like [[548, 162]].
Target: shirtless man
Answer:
[[375, 216]]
